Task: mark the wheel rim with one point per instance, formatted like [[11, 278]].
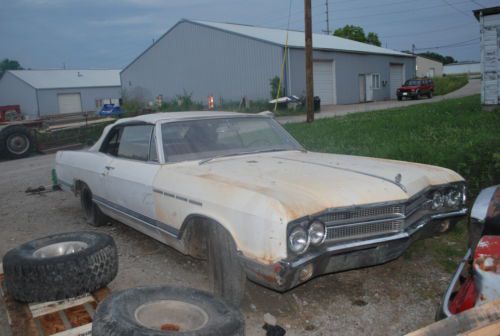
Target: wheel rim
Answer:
[[60, 249], [18, 144], [171, 315]]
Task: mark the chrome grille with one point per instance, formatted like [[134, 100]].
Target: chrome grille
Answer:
[[350, 231], [364, 213]]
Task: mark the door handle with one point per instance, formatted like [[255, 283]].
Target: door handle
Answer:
[[109, 167]]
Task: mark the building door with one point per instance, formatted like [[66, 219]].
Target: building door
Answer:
[[324, 81], [69, 102], [369, 87], [396, 78], [362, 88]]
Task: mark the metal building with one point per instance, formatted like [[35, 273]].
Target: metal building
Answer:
[[427, 67], [230, 61], [48, 92], [489, 20], [462, 68]]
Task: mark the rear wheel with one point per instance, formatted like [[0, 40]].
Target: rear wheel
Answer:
[[226, 275], [17, 141], [93, 214]]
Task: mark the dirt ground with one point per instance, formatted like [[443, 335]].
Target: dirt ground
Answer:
[[390, 299]]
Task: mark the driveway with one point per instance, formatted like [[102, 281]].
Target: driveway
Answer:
[[390, 299], [329, 111]]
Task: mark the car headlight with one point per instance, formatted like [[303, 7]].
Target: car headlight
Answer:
[[298, 240], [437, 200], [453, 198], [317, 232]]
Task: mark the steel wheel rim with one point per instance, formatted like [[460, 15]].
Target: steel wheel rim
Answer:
[[171, 315], [18, 144], [60, 249]]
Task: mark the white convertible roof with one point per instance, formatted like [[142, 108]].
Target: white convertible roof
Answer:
[[160, 116], [60, 79], [296, 38]]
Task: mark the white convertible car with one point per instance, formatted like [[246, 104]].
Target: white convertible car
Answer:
[[239, 190]]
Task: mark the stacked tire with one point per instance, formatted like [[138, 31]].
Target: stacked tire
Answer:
[[60, 266]]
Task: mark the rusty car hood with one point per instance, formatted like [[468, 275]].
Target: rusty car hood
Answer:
[[305, 183]]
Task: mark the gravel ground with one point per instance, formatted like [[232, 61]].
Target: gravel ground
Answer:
[[390, 299]]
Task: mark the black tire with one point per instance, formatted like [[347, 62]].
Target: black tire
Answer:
[[430, 94], [400, 98], [93, 215], [126, 313], [31, 276], [226, 275], [16, 142]]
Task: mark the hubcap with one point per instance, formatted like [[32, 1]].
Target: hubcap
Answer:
[[171, 315], [18, 144], [60, 249]]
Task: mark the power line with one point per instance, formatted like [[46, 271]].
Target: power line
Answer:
[[456, 44], [457, 9], [423, 32], [477, 3]]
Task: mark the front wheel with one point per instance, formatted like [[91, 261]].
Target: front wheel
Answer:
[[226, 275], [430, 94], [93, 215]]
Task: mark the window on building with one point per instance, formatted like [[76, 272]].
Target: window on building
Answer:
[[376, 81]]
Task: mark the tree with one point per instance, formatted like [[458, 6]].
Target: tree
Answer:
[[372, 38], [357, 33], [438, 57], [8, 64]]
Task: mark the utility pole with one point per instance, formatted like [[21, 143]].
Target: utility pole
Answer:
[[309, 61], [413, 48], [327, 31]]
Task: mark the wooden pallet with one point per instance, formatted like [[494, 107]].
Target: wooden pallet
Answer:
[[483, 320], [69, 317]]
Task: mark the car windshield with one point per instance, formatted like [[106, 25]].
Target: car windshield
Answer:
[[204, 139], [412, 82]]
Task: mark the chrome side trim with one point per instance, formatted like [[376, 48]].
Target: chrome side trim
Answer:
[[456, 276], [481, 204], [138, 218]]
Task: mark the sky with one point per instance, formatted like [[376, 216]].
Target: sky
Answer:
[[109, 34]]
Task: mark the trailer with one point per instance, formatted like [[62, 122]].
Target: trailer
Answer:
[[20, 137]]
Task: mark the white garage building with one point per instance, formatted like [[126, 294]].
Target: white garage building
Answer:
[[231, 61], [49, 92]]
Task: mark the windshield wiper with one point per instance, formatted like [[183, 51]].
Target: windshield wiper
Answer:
[[241, 153]]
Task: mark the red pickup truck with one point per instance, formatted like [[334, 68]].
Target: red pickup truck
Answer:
[[416, 88]]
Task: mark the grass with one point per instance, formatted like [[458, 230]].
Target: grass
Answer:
[[447, 84], [456, 134]]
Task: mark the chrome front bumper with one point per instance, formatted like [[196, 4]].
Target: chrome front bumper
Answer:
[[342, 256]]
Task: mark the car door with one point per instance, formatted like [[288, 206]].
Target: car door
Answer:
[[130, 174]]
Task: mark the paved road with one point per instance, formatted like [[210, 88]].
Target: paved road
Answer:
[[390, 299], [329, 111]]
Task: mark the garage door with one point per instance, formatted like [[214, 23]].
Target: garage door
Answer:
[[69, 103], [324, 82], [396, 78]]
